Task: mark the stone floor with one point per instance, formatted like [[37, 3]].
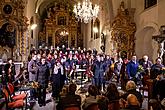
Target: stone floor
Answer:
[[49, 106]]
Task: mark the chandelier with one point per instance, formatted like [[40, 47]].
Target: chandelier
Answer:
[[64, 33], [85, 11]]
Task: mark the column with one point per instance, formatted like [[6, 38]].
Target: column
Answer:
[[83, 33], [88, 35]]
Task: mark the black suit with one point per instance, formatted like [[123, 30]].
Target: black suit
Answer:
[[69, 99], [159, 89]]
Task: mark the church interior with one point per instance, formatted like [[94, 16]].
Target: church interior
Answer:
[[93, 48]]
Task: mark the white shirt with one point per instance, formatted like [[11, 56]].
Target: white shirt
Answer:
[[56, 69]]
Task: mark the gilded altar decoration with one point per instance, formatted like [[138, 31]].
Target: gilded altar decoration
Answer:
[[60, 18], [13, 26], [123, 30]]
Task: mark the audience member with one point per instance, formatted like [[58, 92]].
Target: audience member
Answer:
[[91, 99], [112, 92], [158, 92], [131, 89], [69, 99], [132, 103]]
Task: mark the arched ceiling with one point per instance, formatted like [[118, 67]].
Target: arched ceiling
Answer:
[[41, 5]]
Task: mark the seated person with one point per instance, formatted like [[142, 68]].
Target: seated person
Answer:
[[91, 99], [64, 91], [131, 89], [111, 97], [70, 99], [132, 103], [112, 92], [158, 90], [102, 101], [159, 86]]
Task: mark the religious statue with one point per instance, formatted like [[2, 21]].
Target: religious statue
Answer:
[[161, 49], [122, 6], [49, 13]]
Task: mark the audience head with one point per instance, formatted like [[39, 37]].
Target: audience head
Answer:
[[72, 88], [130, 85], [112, 92], [112, 88], [92, 90], [132, 100]]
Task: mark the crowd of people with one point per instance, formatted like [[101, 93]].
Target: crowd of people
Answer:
[[58, 67]]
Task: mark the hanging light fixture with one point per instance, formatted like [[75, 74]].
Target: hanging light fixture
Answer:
[[85, 11], [64, 33]]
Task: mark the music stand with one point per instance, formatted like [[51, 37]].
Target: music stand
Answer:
[[81, 71]]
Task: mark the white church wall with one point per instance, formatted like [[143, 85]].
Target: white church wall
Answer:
[[103, 15], [30, 12], [148, 23], [161, 12]]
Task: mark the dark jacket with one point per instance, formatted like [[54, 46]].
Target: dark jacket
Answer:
[[108, 62], [159, 89], [67, 100], [155, 70], [99, 69], [43, 75]]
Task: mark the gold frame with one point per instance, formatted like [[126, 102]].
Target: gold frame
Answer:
[[123, 31]]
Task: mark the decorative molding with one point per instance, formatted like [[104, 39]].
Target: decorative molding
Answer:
[[12, 12], [60, 17], [123, 31]]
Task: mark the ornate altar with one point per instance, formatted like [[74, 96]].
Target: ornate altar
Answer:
[[60, 26], [13, 26], [123, 30]]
